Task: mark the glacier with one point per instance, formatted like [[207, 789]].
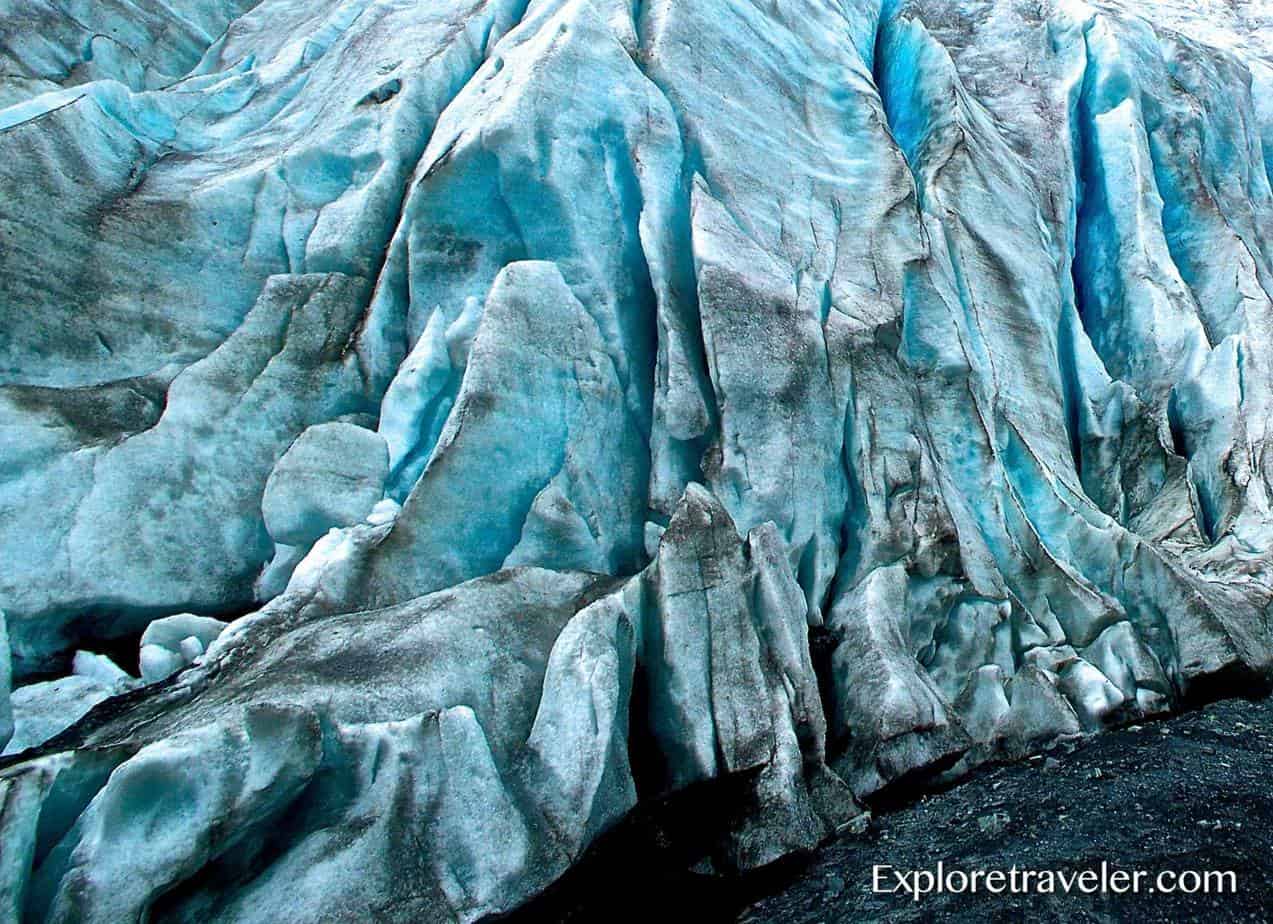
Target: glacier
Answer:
[[555, 406]]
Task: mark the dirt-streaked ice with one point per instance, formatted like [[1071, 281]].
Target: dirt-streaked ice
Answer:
[[568, 403]]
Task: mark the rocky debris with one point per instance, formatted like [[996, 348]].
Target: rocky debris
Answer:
[[1167, 802], [1213, 778], [994, 824]]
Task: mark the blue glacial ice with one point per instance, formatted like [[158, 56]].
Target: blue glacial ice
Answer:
[[556, 405]]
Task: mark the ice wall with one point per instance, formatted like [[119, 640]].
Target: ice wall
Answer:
[[587, 401]]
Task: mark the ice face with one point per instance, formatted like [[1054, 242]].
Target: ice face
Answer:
[[585, 403]]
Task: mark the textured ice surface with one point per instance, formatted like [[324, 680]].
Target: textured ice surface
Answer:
[[585, 402], [6, 683], [42, 710], [169, 644], [331, 476]]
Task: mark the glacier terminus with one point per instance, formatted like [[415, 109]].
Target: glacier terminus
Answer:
[[431, 430]]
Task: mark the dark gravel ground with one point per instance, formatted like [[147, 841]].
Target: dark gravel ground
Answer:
[[1190, 793], [1194, 792]]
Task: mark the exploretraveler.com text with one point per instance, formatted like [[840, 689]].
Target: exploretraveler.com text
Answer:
[[917, 883]]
